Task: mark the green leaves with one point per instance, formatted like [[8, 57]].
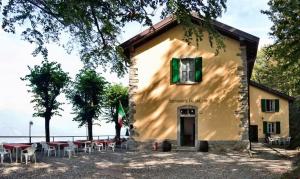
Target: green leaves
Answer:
[[113, 94], [93, 27], [285, 16], [46, 81], [87, 95]]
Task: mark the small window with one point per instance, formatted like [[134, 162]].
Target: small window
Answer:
[[271, 128], [270, 105], [186, 70]]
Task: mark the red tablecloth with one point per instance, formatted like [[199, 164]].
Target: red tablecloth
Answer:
[[19, 146], [56, 144]]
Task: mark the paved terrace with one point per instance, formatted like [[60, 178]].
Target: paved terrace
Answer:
[[265, 163]]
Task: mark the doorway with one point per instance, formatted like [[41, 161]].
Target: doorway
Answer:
[[187, 122], [253, 133], [187, 133]]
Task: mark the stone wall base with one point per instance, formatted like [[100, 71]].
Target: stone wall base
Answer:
[[214, 146]]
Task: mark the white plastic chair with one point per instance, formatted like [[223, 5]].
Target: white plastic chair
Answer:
[[271, 140], [74, 146], [28, 153], [71, 149], [88, 148], [99, 146], [111, 146], [48, 149], [4, 152], [287, 141]]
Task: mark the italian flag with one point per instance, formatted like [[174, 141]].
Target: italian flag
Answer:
[[121, 114]]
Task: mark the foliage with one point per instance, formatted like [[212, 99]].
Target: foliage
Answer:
[[286, 32], [277, 73], [46, 82], [87, 97], [93, 26], [114, 94]]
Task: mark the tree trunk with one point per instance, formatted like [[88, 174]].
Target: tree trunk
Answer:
[[47, 128], [90, 129], [118, 130]]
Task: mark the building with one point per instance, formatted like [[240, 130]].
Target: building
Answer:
[[186, 93]]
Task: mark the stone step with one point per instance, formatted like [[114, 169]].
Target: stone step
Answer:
[[185, 149]]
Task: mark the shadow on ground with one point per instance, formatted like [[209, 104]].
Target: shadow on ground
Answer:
[[125, 164]]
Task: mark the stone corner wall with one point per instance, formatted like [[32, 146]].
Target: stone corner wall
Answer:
[[242, 112], [133, 85]]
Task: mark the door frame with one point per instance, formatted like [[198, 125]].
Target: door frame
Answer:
[[178, 123]]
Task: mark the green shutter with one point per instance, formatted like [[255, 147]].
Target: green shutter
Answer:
[[265, 127], [263, 105], [277, 127], [175, 74], [198, 69], [276, 105]]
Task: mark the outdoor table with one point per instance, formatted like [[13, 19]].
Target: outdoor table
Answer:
[[17, 147], [82, 142], [104, 142], [58, 145]]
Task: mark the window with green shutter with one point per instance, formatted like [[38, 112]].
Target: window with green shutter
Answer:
[[175, 73], [198, 69], [277, 127], [186, 70], [270, 105], [276, 105], [263, 105], [271, 127], [265, 127]]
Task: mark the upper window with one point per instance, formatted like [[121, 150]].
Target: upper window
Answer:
[[270, 105], [186, 70]]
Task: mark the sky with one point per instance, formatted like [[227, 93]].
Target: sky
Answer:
[[15, 107]]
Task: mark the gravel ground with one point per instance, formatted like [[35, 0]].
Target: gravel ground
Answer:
[[124, 164]]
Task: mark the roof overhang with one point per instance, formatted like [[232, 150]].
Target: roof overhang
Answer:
[[250, 41], [272, 91]]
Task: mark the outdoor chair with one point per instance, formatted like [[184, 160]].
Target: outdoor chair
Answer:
[[43, 146], [99, 146], [271, 140], [28, 153], [74, 146], [287, 141], [34, 145], [4, 152], [111, 146], [88, 148], [69, 150], [48, 149]]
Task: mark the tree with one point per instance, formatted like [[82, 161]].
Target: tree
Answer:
[[93, 26], [277, 73], [114, 95], [286, 32], [87, 97], [46, 82]]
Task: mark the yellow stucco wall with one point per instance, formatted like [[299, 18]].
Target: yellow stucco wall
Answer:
[[257, 116], [216, 96]]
